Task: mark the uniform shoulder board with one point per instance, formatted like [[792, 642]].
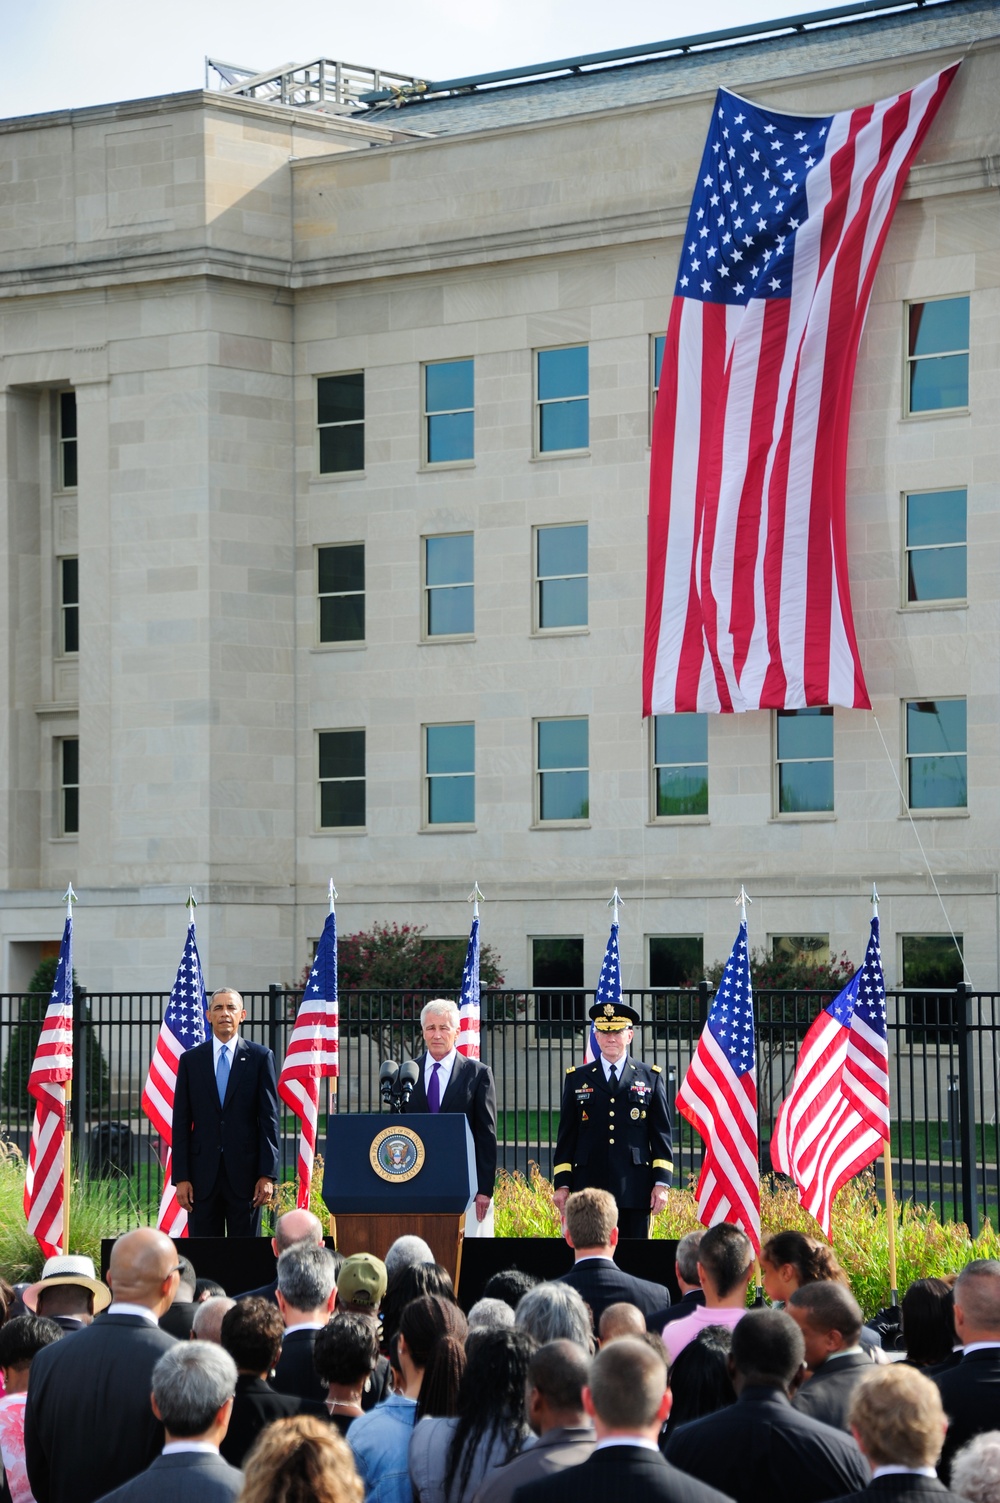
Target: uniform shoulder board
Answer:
[[570, 1069], [657, 1069]]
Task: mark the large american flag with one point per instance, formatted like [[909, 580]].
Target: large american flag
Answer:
[[183, 1026], [468, 1011], [718, 1097], [747, 595], [312, 1052], [835, 1119], [51, 1070], [609, 988]]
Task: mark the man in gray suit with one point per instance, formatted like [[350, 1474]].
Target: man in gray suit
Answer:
[[557, 1375], [193, 1388]]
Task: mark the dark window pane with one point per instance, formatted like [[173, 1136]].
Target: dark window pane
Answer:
[[562, 743], [71, 629], [805, 733], [935, 725], [342, 449], [449, 385], [71, 811], [557, 962], [451, 801], [805, 787], [564, 795], [681, 738], [938, 783], [935, 517], [563, 373], [70, 580], [564, 425], [342, 754], [340, 399], [451, 611], [342, 569], [676, 959], [342, 804], [937, 574], [562, 550], [939, 383], [941, 325], [342, 619], [451, 748], [449, 559], [67, 414], [71, 761], [70, 478], [658, 344], [562, 602], [931, 960], [450, 437], [681, 790]]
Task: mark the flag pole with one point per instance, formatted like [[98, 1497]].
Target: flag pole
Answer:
[[476, 896], [67, 1131], [743, 899], [890, 1205], [331, 1080]]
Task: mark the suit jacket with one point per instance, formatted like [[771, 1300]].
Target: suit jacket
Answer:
[[906, 1486], [256, 1404], [601, 1283], [827, 1394], [970, 1393], [266, 1291], [244, 1130], [88, 1423], [616, 1141], [470, 1090], [551, 1453], [685, 1306], [295, 1372], [760, 1448], [182, 1477], [619, 1472]]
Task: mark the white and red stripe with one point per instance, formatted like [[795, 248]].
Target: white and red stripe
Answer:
[[469, 1015], [312, 1053], [182, 1027], [835, 1119], [51, 1069], [748, 598]]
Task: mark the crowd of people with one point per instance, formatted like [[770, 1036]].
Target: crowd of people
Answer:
[[353, 1380]]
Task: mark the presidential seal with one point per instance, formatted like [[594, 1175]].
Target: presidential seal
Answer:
[[397, 1154]]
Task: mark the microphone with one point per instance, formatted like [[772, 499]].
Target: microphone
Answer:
[[409, 1074], [387, 1075]]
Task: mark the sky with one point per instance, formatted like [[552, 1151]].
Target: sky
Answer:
[[60, 54]]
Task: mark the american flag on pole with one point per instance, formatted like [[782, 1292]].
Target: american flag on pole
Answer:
[[609, 988], [312, 1052], [835, 1119], [718, 1097], [747, 596], [468, 1012], [51, 1069], [183, 1026]]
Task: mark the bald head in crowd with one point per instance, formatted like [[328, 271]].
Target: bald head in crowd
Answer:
[[143, 1269], [621, 1319], [295, 1227]]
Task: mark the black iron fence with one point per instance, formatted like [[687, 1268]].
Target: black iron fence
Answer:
[[943, 1050]]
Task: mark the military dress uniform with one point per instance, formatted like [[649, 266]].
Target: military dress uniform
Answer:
[[617, 1141]]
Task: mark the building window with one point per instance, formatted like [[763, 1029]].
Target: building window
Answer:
[[804, 761], [561, 577], [449, 411], [341, 779], [563, 776], [69, 605], [935, 527], [340, 417], [655, 368], [937, 355], [67, 441], [932, 967], [558, 963], [69, 785], [936, 770], [448, 586], [680, 766], [676, 960], [562, 409], [450, 777], [341, 588], [806, 950]]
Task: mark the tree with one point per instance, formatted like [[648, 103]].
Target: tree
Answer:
[[397, 957], [24, 1042]]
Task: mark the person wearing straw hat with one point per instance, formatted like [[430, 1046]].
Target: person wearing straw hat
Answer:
[[68, 1292], [614, 1126]]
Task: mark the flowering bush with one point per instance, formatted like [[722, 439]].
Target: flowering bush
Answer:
[[394, 957]]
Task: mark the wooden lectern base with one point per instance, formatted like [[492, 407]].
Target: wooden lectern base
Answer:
[[363, 1232]]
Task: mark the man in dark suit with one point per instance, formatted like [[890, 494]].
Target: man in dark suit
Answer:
[[307, 1293], [289, 1230], [592, 1232], [760, 1448], [451, 1083], [193, 1388], [688, 1282], [614, 1126], [897, 1420], [225, 1144], [88, 1423], [628, 1400], [251, 1333], [557, 1375], [970, 1392], [830, 1320]]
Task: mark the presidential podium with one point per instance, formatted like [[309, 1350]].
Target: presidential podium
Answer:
[[391, 1175]]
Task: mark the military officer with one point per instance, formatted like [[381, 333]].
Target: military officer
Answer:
[[614, 1127]]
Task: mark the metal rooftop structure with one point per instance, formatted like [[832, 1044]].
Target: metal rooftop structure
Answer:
[[324, 85]]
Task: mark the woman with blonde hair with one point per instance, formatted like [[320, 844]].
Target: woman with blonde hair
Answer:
[[301, 1460]]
